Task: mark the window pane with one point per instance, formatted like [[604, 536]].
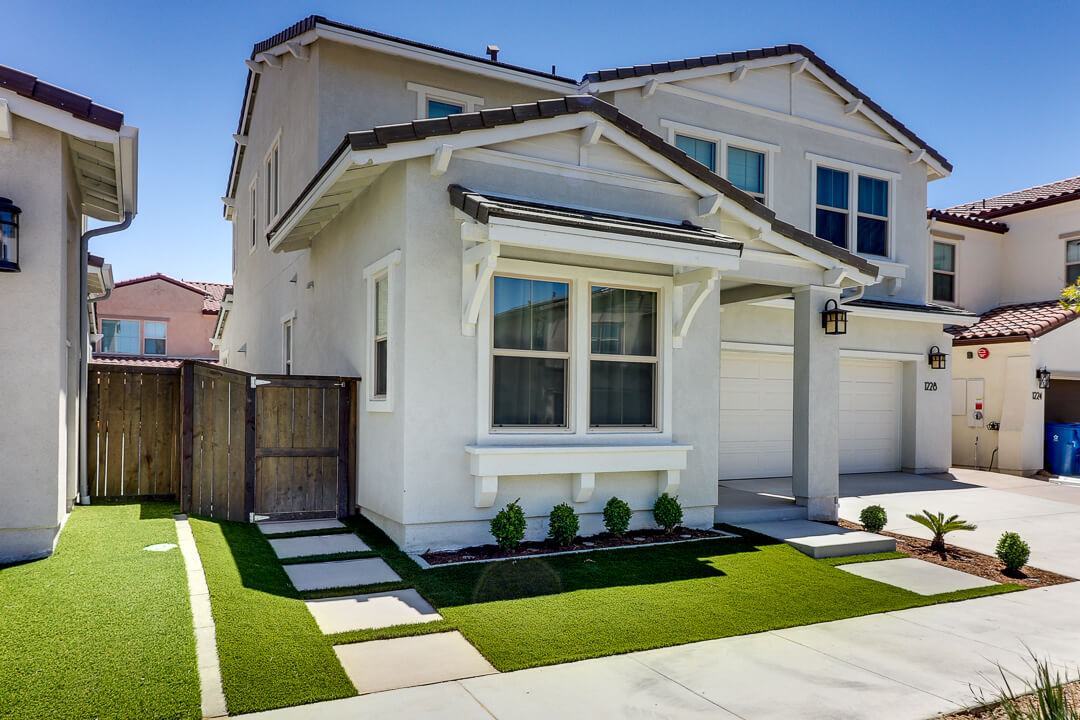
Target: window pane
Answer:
[[381, 287], [531, 314], [380, 368], [945, 257], [832, 188], [1072, 251], [832, 226], [944, 287], [623, 321], [871, 238], [621, 393], [746, 169], [436, 109], [529, 391], [120, 336], [873, 196], [153, 346], [701, 150], [153, 329], [1072, 274]]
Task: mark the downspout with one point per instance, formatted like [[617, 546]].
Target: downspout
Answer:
[[857, 295], [84, 339]]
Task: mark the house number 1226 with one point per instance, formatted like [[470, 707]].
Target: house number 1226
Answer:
[[930, 386]]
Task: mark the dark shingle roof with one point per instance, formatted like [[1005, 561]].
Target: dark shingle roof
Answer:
[[910, 307], [1018, 200], [777, 51], [966, 220], [79, 106], [1015, 322]]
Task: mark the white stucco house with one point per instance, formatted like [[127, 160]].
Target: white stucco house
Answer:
[[1007, 258], [63, 160], [562, 290]]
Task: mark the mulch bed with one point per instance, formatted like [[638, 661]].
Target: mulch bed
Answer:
[[969, 561], [548, 547], [996, 712]]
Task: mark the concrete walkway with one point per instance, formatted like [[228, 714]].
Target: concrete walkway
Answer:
[[913, 664]]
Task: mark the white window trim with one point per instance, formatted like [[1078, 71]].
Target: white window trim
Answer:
[[289, 319], [578, 429], [253, 215], [468, 103], [1070, 238], [273, 180], [934, 239], [383, 267], [723, 141], [854, 170]]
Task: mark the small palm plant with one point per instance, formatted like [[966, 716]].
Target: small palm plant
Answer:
[[940, 526]]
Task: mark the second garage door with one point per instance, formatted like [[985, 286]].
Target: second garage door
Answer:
[[755, 415]]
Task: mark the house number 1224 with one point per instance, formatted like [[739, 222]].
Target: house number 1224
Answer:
[[930, 386]]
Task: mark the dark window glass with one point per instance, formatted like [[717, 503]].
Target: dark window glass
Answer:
[[436, 109], [153, 346], [380, 368], [701, 150], [832, 188], [623, 321], [872, 235], [1072, 274], [531, 314], [832, 226], [746, 170], [873, 196], [944, 287], [622, 393], [945, 257], [529, 391]]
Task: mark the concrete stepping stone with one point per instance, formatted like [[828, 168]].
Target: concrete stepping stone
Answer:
[[916, 575], [372, 611], [822, 540], [317, 545], [404, 662], [340, 573], [287, 526]]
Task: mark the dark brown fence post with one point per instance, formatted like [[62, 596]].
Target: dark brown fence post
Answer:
[[187, 403], [249, 450], [344, 426]]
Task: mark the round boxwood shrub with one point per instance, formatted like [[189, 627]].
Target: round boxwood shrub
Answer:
[[1013, 551], [617, 516], [667, 511], [508, 526], [562, 524], [873, 518]]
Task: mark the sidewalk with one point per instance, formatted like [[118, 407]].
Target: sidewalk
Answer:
[[910, 664]]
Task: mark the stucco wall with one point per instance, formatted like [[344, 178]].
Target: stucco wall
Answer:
[[1033, 255], [979, 268], [188, 330]]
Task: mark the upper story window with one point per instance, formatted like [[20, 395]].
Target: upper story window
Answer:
[[944, 281], [1072, 262], [153, 337], [852, 204], [704, 151], [433, 102], [746, 171], [253, 214], [120, 336], [746, 163], [381, 339], [273, 192]]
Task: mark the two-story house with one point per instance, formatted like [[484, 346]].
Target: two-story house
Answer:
[[645, 281], [1007, 258]]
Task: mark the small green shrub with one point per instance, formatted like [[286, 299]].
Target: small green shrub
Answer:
[[508, 526], [1013, 551], [617, 516], [562, 524], [873, 518], [667, 511]]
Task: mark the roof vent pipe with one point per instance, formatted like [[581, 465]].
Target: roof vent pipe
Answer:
[[493, 52]]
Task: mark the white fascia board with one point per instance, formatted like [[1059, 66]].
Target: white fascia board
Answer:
[[582, 241], [690, 74], [128, 169], [906, 315], [56, 118], [433, 57]]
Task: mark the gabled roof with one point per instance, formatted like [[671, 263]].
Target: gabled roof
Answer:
[[966, 220], [1015, 322], [660, 68], [1020, 200], [212, 293], [386, 135], [79, 106]]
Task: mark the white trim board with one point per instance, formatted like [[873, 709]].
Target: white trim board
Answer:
[[737, 346]]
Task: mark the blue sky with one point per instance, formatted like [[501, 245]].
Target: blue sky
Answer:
[[992, 85]]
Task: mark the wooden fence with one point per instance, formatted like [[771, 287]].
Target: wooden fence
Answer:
[[227, 444]]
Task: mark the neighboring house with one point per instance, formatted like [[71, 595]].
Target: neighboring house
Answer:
[[1007, 258], [561, 291], [157, 317], [63, 159]]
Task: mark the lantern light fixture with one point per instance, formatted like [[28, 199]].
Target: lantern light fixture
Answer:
[[1043, 376], [9, 236], [833, 320], [937, 358]]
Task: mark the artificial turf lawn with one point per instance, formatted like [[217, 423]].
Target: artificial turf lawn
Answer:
[[102, 628], [271, 650]]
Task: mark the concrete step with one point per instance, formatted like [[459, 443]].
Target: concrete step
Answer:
[[821, 540], [740, 516]]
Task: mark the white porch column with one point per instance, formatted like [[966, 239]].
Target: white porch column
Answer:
[[815, 448]]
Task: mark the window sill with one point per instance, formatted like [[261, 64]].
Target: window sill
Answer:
[[379, 405]]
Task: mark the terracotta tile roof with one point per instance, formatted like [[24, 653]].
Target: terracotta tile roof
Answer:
[[1014, 322], [1018, 200], [966, 221], [79, 106], [136, 361], [776, 51], [212, 292]]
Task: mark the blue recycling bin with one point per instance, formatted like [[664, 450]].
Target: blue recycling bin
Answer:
[[1063, 448]]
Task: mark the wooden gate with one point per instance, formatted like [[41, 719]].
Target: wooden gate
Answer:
[[133, 431], [215, 442]]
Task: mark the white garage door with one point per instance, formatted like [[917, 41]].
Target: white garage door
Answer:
[[755, 415]]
